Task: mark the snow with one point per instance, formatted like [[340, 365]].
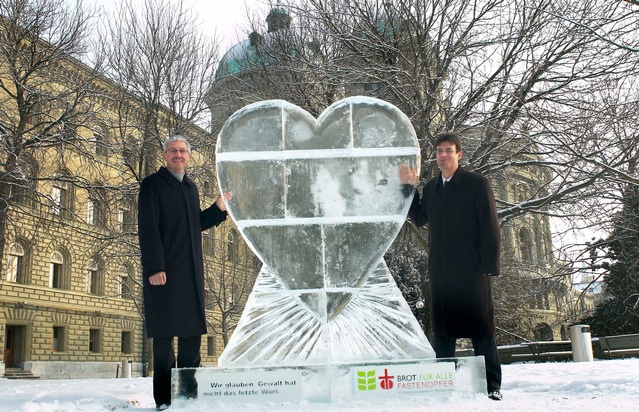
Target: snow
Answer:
[[603, 385]]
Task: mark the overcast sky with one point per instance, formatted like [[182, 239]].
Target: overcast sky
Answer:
[[224, 17]]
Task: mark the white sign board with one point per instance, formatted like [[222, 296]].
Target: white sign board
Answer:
[[251, 386]]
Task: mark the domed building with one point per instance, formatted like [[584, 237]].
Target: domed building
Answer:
[[244, 55], [237, 76]]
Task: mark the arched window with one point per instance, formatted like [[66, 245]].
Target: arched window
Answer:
[[209, 297], [130, 151], [91, 210], [69, 132], [96, 205], [100, 140], [234, 293], [521, 192], [525, 245], [62, 195], [35, 114], [208, 242], [208, 184], [126, 281], [16, 264], [231, 246], [95, 278], [546, 301], [23, 188], [126, 216], [543, 332], [56, 270]]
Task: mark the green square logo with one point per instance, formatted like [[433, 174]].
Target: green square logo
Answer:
[[366, 381]]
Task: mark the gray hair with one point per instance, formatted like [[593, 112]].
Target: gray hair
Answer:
[[176, 138]]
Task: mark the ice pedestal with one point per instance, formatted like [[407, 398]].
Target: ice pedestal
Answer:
[[330, 383], [280, 326], [319, 201]]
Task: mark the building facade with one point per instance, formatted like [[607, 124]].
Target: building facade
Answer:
[[70, 287]]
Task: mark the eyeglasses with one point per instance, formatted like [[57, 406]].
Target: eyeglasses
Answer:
[[447, 151], [180, 151]]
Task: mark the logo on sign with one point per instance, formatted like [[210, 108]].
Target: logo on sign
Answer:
[[367, 381]]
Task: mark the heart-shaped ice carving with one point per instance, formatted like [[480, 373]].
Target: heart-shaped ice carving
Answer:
[[319, 201]]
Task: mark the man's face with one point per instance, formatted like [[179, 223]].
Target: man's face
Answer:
[[176, 157], [448, 158]]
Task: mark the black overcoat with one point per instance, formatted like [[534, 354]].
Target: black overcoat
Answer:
[[170, 225], [464, 241]]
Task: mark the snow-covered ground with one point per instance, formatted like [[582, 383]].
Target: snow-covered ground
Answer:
[[606, 385]]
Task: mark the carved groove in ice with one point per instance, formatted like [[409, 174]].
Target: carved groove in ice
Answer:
[[319, 202]]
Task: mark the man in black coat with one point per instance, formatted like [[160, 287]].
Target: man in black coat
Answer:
[[464, 240], [170, 225]]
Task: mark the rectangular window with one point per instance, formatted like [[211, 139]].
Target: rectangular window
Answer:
[[127, 342], [121, 220], [55, 275], [13, 268], [130, 286], [126, 223], [56, 197], [208, 242], [100, 144], [210, 345], [94, 340], [58, 343], [124, 288], [62, 199], [90, 212], [94, 282], [15, 264]]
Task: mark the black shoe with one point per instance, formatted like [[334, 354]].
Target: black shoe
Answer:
[[495, 395], [162, 407]]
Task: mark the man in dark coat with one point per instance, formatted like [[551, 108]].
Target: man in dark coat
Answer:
[[464, 240], [170, 225]]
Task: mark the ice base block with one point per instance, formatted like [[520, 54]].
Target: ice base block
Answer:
[[330, 383]]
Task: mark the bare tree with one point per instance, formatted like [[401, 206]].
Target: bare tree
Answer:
[[157, 55], [526, 81], [544, 93], [45, 96]]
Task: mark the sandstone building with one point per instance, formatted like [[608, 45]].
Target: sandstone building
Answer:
[[70, 284]]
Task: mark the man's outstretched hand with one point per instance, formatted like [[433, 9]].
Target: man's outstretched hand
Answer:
[[408, 175]]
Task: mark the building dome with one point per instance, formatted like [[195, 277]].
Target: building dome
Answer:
[[237, 59], [243, 55], [278, 18]]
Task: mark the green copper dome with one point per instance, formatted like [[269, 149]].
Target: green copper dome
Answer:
[[242, 56], [237, 59]]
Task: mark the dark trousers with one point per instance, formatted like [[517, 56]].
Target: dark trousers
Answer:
[[486, 347], [164, 361]]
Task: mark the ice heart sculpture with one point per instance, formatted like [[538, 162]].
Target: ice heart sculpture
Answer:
[[319, 201]]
